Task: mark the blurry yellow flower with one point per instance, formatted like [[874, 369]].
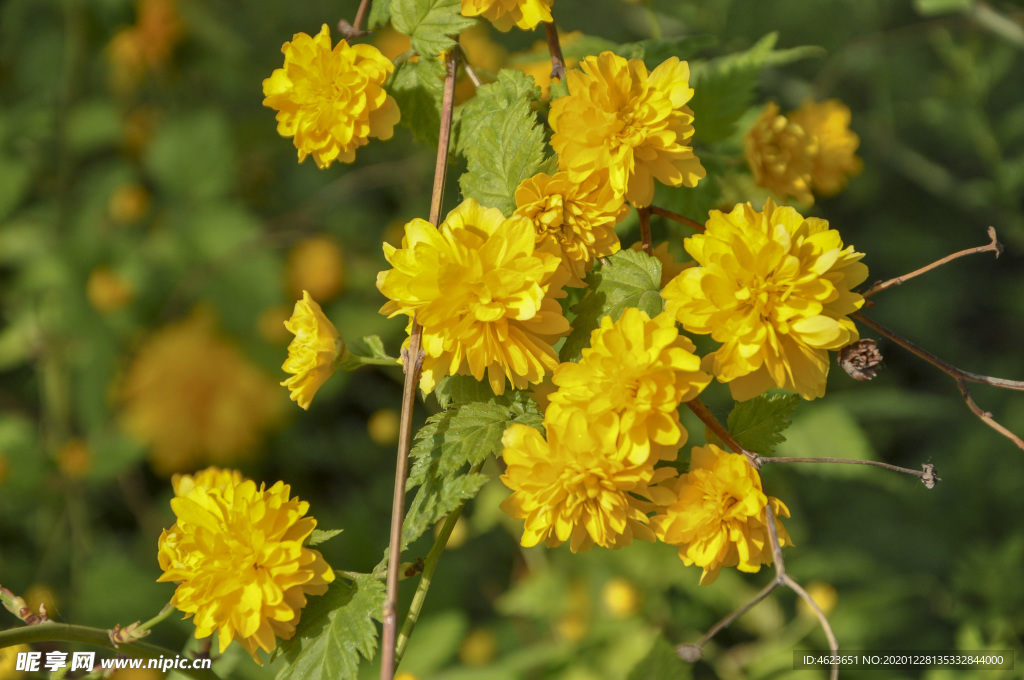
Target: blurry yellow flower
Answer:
[[621, 598], [9, 661], [577, 485], [210, 478], [237, 554], [670, 269], [634, 123], [823, 594], [478, 648], [314, 354], [147, 45], [74, 458], [459, 535], [718, 518], [316, 265], [383, 426], [505, 14], [391, 43], [577, 216], [482, 290], [835, 160], [641, 369], [575, 613], [193, 398], [781, 155], [128, 203], [331, 101], [41, 595], [107, 290], [536, 61], [776, 290]]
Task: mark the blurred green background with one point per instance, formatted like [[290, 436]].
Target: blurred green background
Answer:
[[155, 231]]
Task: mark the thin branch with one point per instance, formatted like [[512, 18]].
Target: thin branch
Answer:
[[355, 29], [676, 217], [413, 362], [555, 47], [728, 620], [926, 474], [701, 410], [992, 247], [960, 376], [645, 229]]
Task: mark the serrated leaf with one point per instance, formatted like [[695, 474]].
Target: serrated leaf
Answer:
[[461, 389], [723, 88], [322, 536], [630, 279], [654, 51], [451, 441], [430, 24], [337, 628], [501, 140], [380, 13], [758, 423], [417, 87], [661, 663]]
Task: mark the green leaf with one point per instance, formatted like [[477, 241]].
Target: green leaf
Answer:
[[430, 24], [630, 279], [758, 424], [655, 51], [368, 347], [461, 389], [501, 141], [449, 442], [380, 13], [724, 87], [930, 8], [15, 185], [322, 536], [336, 629], [661, 663], [417, 87]]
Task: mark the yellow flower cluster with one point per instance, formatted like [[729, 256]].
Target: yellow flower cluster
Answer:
[[577, 216], [314, 353], [237, 555], [776, 290], [481, 287], [593, 480], [718, 518], [331, 100], [633, 123], [147, 45], [504, 14], [810, 149]]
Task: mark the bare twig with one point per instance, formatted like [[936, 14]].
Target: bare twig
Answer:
[[557, 61], [355, 29], [676, 217], [645, 228], [413, 359], [701, 410], [960, 376], [992, 247], [926, 474]]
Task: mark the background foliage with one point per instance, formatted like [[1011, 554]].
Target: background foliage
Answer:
[[159, 168]]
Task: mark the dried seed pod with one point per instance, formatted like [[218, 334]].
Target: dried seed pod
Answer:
[[861, 359]]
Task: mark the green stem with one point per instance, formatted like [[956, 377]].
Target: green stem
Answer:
[[162, 616], [98, 637], [429, 565]]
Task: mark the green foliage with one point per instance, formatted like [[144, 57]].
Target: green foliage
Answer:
[[461, 389], [933, 7], [654, 51], [380, 13], [661, 663], [192, 156], [367, 347], [417, 87], [501, 140], [758, 423], [724, 87], [452, 440], [630, 279], [431, 24], [322, 536], [827, 430], [337, 628]]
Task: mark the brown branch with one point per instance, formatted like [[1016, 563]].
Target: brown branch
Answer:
[[960, 376], [645, 229], [555, 47], [355, 29], [676, 217], [413, 360], [992, 247], [701, 410], [926, 474]]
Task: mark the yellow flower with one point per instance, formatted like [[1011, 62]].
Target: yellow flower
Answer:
[[193, 398], [621, 598], [107, 291], [634, 123], [718, 518], [578, 217], [316, 264], [482, 290], [331, 101], [9, 661], [641, 369], [577, 485], [828, 124], [781, 155], [314, 354], [504, 14], [775, 290], [237, 554], [210, 478]]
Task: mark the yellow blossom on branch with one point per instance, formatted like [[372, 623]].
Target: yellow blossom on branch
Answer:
[[718, 518], [237, 555], [482, 290], [641, 369], [578, 216], [331, 100], [781, 155], [776, 290], [577, 485], [828, 124], [315, 352], [505, 14], [634, 123]]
